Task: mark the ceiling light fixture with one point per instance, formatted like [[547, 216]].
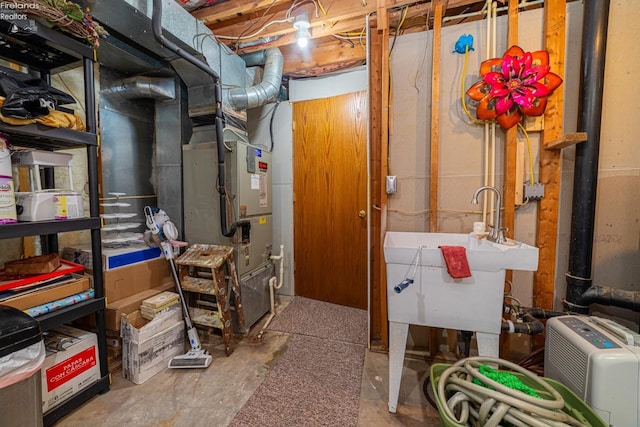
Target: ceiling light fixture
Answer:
[[301, 24]]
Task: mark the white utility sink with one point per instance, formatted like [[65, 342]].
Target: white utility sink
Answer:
[[438, 300]]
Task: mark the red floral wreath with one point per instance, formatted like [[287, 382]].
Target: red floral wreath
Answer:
[[512, 86]]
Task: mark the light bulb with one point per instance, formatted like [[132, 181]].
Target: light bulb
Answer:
[[302, 25]]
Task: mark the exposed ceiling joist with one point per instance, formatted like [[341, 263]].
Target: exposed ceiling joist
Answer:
[[336, 25]]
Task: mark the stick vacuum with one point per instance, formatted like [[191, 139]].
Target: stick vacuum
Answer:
[[165, 231]]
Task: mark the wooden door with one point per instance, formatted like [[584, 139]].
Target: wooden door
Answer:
[[330, 199]]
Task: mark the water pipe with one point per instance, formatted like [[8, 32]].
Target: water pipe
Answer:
[[529, 325], [583, 209], [487, 145], [605, 295], [273, 286], [492, 125]]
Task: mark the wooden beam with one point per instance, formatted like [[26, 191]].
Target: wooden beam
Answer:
[[232, 9], [383, 32], [550, 160], [379, 329], [337, 11], [325, 55], [511, 169], [438, 8], [438, 13], [353, 25], [565, 141], [511, 140]]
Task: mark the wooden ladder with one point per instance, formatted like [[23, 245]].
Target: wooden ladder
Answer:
[[201, 269]]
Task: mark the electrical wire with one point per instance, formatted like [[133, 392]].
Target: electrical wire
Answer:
[[254, 23], [423, 59], [400, 22], [273, 114], [524, 131], [463, 79], [264, 27]]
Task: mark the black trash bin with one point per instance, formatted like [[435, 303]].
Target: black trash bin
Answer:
[[21, 356]]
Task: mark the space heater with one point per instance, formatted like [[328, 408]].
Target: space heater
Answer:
[[599, 360]]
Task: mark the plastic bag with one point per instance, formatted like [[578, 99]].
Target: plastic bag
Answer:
[[28, 97], [21, 364]]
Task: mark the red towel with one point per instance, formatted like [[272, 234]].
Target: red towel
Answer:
[[456, 259]]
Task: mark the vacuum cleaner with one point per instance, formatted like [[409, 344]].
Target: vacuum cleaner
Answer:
[[164, 233]]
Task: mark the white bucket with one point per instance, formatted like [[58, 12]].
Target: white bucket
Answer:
[[5, 156], [8, 213]]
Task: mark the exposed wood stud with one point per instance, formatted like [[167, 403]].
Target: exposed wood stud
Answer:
[[550, 160], [566, 140]]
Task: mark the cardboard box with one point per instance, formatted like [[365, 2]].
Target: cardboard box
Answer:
[[111, 257], [51, 293], [126, 281], [147, 346], [128, 305], [71, 364]]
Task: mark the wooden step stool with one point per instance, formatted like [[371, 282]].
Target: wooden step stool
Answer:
[[202, 272]]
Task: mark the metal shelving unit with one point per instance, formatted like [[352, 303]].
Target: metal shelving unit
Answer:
[[50, 51]]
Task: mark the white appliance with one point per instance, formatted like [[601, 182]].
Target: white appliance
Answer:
[[45, 205], [48, 204], [599, 360]]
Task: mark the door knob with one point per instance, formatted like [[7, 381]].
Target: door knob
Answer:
[[362, 214]]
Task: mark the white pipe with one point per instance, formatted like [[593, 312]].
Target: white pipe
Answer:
[[487, 150], [273, 286], [492, 132]]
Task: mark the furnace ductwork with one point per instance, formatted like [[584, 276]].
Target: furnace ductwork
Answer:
[[267, 90], [160, 89]]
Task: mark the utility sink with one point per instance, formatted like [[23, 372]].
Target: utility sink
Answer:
[[482, 255], [438, 300]]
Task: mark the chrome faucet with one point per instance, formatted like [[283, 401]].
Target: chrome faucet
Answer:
[[496, 231]]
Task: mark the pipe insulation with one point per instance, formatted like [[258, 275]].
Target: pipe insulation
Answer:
[[157, 88], [267, 90], [594, 37]]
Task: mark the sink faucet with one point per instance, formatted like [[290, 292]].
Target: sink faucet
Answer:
[[496, 231]]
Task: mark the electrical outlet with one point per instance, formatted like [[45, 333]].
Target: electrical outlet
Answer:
[[534, 192], [391, 184]]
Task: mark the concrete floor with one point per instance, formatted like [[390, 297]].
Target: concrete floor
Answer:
[[213, 396]]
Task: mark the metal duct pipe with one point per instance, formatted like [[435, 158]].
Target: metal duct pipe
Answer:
[[594, 38], [156, 23], [267, 90], [160, 89]]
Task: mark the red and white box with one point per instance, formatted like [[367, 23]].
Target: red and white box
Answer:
[[71, 364]]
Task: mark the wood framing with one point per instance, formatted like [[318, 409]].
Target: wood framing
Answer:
[[383, 33], [510, 143], [566, 141], [378, 311], [511, 168], [438, 9], [550, 160]]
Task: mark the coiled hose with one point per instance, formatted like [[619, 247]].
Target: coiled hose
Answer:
[[469, 403]]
